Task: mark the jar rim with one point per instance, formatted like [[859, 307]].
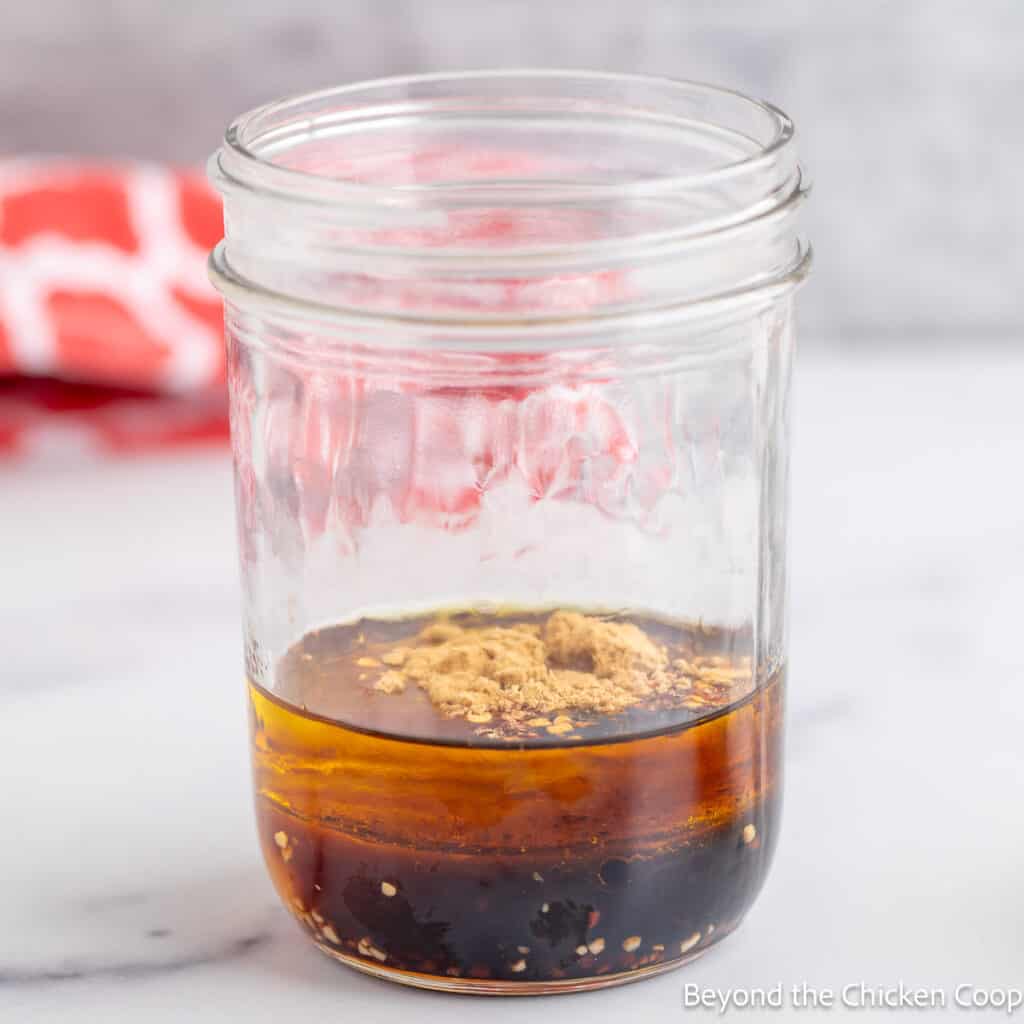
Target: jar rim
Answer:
[[694, 189], [242, 162]]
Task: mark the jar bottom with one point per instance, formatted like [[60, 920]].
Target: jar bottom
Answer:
[[488, 987]]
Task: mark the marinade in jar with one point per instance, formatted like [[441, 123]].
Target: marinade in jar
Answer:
[[505, 800]]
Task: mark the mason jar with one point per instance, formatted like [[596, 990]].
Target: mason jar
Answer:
[[509, 356]]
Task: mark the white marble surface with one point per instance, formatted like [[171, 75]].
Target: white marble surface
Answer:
[[131, 888]]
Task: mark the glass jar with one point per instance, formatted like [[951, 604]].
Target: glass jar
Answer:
[[509, 356]]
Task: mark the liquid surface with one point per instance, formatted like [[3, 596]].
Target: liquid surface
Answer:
[[407, 839], [334, 673]]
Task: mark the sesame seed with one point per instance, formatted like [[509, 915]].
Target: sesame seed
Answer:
[[330, 934], [581, 950], [687, 944], [518, 966], [596, 946], [388, 889], [281, 838], [632, 943], [749, 834]]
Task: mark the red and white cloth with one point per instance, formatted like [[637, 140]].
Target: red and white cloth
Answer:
[[111, 340], [110, 334]]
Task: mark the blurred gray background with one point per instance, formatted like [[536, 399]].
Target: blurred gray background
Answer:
[[910, 112]]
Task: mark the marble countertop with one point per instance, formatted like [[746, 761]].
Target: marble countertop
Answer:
[[131, 886]]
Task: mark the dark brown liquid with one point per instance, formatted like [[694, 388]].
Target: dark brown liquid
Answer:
[[406, 840]]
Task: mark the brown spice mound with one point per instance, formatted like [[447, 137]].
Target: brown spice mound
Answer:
[[574, 662]]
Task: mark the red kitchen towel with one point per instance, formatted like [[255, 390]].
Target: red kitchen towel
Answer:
[[110, 333], [111, 341]]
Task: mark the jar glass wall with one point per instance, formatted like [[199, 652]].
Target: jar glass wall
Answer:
[[509, 360]]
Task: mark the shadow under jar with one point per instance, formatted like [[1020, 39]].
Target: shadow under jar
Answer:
[[508, 360]]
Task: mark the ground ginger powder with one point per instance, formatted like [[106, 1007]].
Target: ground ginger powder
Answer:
[[571, 662]]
